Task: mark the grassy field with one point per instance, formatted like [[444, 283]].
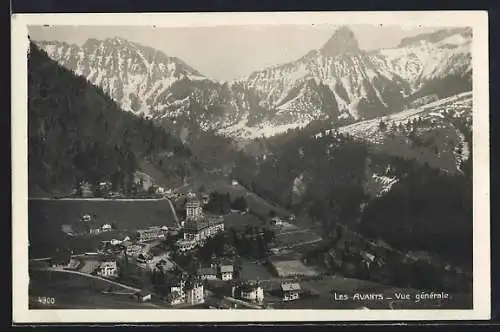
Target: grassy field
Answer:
[[125, 214], [45, 218], [78, 292], [322, 296], [254, 271], [257, 205], [293, 239], [221, 184], [328, 285], [290, 268]]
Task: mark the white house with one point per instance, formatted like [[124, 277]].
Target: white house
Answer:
[[226, 272], [290, 291], [107, 269], [252, 292], [234, 182], [276, 221], [86, 217], [106, 227], [94, 231], [115, 242], [367, 258]]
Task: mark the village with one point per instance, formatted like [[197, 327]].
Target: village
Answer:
[[222, 255]]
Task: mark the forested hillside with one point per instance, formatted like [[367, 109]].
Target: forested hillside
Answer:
[[76, 132], [425, 209]]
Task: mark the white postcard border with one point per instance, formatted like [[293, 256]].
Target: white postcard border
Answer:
[[478, 20]]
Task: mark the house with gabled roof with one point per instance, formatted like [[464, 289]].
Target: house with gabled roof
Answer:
[[226, 271], [290, 291]]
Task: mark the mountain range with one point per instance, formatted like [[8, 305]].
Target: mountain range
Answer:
[[400, 172], [339, 81]]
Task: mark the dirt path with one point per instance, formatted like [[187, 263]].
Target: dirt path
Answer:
[[88, 276], [299, 244], [173, 212]]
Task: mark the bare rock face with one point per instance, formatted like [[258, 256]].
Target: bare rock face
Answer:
[[343, 41]]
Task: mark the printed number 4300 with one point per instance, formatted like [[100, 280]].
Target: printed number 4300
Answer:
[[46, 300]]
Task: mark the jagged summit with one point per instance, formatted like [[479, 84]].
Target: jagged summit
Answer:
[[342, 41], [336, 81]]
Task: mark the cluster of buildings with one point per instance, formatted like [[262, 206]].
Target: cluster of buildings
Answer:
[[185, 288], [198, 226], [223, 272], [93, 229], [370, 254], [105, 188]]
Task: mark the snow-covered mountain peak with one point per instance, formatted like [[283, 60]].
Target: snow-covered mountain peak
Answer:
[[338, 81]]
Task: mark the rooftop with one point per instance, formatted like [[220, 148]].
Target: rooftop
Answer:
[[149, 230], [142, 293], [226, 268], [290, 286], [367, 255], [108, 264], [193, 202]]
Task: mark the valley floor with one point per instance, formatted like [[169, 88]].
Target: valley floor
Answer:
[[293, 239]]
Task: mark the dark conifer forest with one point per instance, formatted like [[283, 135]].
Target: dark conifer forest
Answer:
[[327, 180]]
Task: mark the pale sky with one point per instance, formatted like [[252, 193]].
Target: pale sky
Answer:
[[230, 52]]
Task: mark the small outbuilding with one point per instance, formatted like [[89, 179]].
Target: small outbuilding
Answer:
[[143, 296]]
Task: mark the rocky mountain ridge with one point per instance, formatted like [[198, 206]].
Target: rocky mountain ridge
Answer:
[[337, 81]]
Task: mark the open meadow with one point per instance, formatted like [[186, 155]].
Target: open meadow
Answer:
[[79, 292], [47, 216], [213, 182]]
